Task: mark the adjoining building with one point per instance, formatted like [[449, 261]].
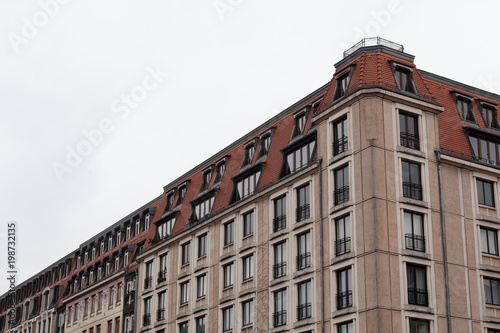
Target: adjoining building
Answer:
[[369, 205]]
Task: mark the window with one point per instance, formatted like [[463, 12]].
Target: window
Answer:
[[119, 292], [111, 296], [247, 312], [125, 256], [344, 288], [91, 278], [408, 127], [70, 311], [489, 331], [228, 275], [207, 175], [484, 150], [118, 238], [300, 124], [304, 307], [228, 233], [162, 301], [102, 248], [343, 235], [299, 158], [414, 231], [249, 153], [304, 250], [86, 258], [279, 268], [412, 186], [247, 186], [184, 327], [108, 268], [491, 291], [264, 145], [485, 193], [165, 229], [202, 246], [98, 329], [489, 241], [185, 253], [279, 316], [99, 273], [94, 253], [137, 227], [201, 286], [127, 235], [464, 107], [110, 326], [202, 209], [341, 193], [279, 221], [148, 279], [147, 221], [117, 324], [303, 203], [110, 243], [86, 307], [170, 201], [417, 284], [345, 327], [342, 85], [340, 136], [227, 319], [219, 171], [93, 305], [200, 324], [184, 293], [404, 79], [489, 114], [248, 267], [100, 297], [182, 194], [162, 272], [248, 224], [419, 326], [78, 261]]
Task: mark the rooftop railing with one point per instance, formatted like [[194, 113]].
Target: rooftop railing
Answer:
[[373, 41]]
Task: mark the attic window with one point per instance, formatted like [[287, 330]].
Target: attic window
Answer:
[[182, 193], [265, 142], [489, 114], [404, 78], [249, 153], [300, 123], [207, 175], [170, 200], [165, 229], [315, 105], [343, 81], [202, 207], [220, 168], [464, 107]]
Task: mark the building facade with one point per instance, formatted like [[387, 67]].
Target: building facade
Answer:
[[367, 206]]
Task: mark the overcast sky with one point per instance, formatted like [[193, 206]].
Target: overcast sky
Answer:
[[102, 103]]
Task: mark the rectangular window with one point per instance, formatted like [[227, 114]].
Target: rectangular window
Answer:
[[148, 279], [414, 231], [110, 326], [229, 233], [111, 296], [249, 153], [118, 238], [404, 79], [202, 209], [247, 312], [491, 291], [279, 221], [248, 267], [299, 158], [207, 175], [117, 325], [464, 107], [227, 319], [247, 186], [146, 318], [417, 284], [419, 325], [98, 329], [345, 327], [184, 327], [100, 299], [162, 301], [201, 285], [341, 193], [86, 307], [303, 209], [137, 227], [485, 193], [162, 272], [412, 186], [219, 172], [344, 288], [248, 224], [265, 144], [489, 241], [408, 127], [489, 114], [170, 201], [228, 275], [343, 235], [279, 315], [147, 221], [93, 306], [342, 85], [185, 253], [484, 150], [304, 250], [304, 306], [184, 293], [182, 194], [340, 136], [202, 246], [300, 124], [119, 293], [200, 324], [127, 235], [279, 268]]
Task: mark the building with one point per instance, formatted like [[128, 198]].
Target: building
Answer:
[[367, 206]]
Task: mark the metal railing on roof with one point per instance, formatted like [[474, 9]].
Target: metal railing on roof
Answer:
[[373, 41]]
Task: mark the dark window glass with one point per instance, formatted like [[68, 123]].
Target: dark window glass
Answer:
[[304, 296], [489, 241], [342, 85], [248, 267], [485, 193], [249, 152], [344, 288], [227, 319], [485, 151], [248, 224], [491, 291], [343, 235], [247, 309], [202, 246], [417, 284], [228, 233], [345, 327], [185, 253], [404, 79], [341, 193], [303, 209], [490, 116], [279, 268], [408, 127], [279, 221], [304, 250], [414, 231], [419, 325], [464, 107], [299, 158], [412, 186], [247, 186], [340, 136]]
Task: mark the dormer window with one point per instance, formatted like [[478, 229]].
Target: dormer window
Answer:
[[110, 243], [78, 261], [86, 258], [137, 227], [83, 281], [170, 200], [147, 221], [464, 108], [404, 79], [125, 258], [165, 229], [117, 263], [343, 81], [316, 105], [99, 273], [108, 268], [182, 193], [94, 252], [207, 175], [202, 208], [265, 142], [102, 247], [489, 113], [127, 236], [249, 152], [300, 123], [118, 238], [220, 168], [91, 279]]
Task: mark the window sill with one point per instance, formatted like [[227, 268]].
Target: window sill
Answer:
[[278, 233], [202, 257], [486, 206], [418, 254], [414, 202], [469, 123], [490, 268], [201, 298], [304, 322], [247, 236], [418, 308], [302, 223], [342, 257], [340, 156], [488, 218], [341, 206], [344, 311], [247, 328], [303, 271], [281, 328], [415, 152]]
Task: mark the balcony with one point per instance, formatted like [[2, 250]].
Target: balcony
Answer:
[[279, 318], [146, 319], [160, 314], [148, 282], [417, 296], [279, 223], [279, 269], [303, 212], [303, 260], [344, 299], [341, 195], [162, 276], [303, 311], [340, 145], [373, 41], [342, 246], [410, 140], [412, 190], [415, 242]]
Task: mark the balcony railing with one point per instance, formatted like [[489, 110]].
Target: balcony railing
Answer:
[[130, 297], [410, 140], [279, 222], [160, 314], [279, 318], [372, 41], [303, 311], [146, 319], [341, 195], [303, 260], [417, 296], [412, 190], [344, 299], [415, 242], [340, 145], [162, 275], [148, 282], [303, 212], [279, 269], [342, 246]]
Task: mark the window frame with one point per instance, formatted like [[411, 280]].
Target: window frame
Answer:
[[489, 114], [279, 211], [417, 296], [247, 312], [343, 240], [228, 275], [343, 81], [414, 240], [280, 259], [409, 136], [185, 253], [304, 251], [340, 142], [481, 192], [248, 267], [201, 286], [417, 321], [248, 223], [184, 293], [490, 249], [202, 245], [398, 71], [461, 101], [303, 196], [228, 233], [227, 319], [411, 188], [304, 299], [280, 307], [344, 287]]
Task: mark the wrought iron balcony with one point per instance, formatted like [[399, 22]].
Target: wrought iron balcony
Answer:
[[148, 282], [146, 319], [341, 195], [412, 190], [279, 318], [342, 246], [303, 212], [279, 222], [415, 242], [417, 296], [303, 260], [160, 314], [410, 140], [279, 269], [340, 145], [344, 299], [303, 311]]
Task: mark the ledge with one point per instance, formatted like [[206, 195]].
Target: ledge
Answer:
[[414, 202], [340, 156], [418, 308], [343, 205], [227, 256], [304, 322], [488, 218], [343, 312], [416, 254], [246, 247], [279, 233], [303, 272], [342, 257], [490, 268], [302, 223], [406, 150]]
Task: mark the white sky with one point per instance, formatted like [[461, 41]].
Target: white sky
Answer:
[[232, 64]]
